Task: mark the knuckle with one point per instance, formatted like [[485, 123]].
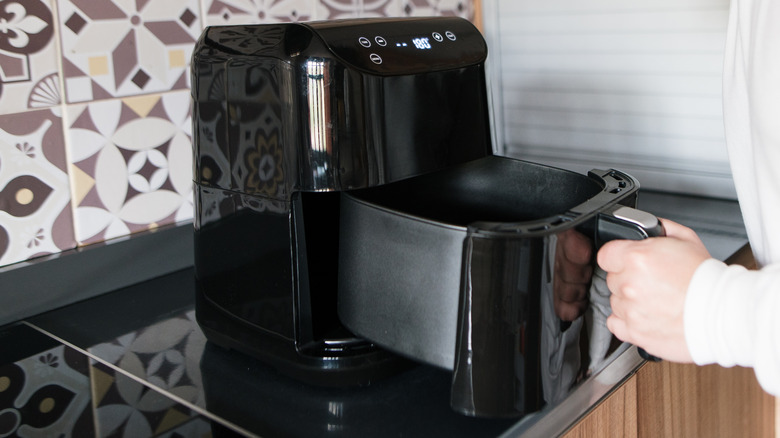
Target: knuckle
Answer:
[[633, 317], [629, 292]]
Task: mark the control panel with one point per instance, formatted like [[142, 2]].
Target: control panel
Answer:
[[404, 46]]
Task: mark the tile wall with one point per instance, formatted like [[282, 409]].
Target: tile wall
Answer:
[[94, 109]]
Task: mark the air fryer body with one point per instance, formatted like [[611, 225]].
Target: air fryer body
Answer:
[[285, 117], [347, 198]]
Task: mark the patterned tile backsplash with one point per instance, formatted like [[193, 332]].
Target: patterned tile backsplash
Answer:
[[121, 48], [35, 199], [53, 390], [131, 164], [94, 109]]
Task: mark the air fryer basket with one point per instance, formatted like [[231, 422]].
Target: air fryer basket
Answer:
[[417, 257]]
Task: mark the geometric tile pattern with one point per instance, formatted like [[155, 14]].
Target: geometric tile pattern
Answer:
[[266, 11], [87, 77], [417, 8], [55, 391], [340, 9], [380, 8], [35, 209], [46, 394], [258, 11], [131, 164], [166, 354], [115, 48], [125, 407], [29, 74]]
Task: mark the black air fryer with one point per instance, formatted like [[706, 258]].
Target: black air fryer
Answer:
[[350, 211]]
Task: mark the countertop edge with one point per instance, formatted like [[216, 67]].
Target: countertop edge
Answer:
[[33, 287], [557, 419]]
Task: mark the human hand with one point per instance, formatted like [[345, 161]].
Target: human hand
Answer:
[[649, 280], [573, 270]]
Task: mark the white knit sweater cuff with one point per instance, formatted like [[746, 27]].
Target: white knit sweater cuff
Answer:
[[699, 313]]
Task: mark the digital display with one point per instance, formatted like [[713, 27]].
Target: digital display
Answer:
[[421, 43]]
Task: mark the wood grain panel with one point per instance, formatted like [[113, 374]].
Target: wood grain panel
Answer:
[[685, 400], [615, 417], [478, 15]]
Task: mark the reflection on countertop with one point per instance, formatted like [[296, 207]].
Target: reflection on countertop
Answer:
[[148, 331], [51, 389]]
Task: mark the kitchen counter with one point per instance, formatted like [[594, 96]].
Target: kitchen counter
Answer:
[[134, 362]]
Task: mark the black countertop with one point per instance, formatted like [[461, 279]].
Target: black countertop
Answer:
[[148, 331], [134, 362]]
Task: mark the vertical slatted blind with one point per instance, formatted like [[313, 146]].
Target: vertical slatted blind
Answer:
[[629, 84]]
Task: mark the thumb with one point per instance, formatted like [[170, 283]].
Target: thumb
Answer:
[[611, 256], [678, 231], [618, 328]]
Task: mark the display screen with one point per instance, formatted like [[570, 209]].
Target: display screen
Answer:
[[421, 43]]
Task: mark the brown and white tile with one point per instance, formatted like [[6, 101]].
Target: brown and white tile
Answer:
[[115, 48], [381, 8], [165, 354], [50, 389], [29, 75], [46, 394], [336, 9], [132, 164], [419, 8], [35, 211], [218, 12], [125, 407]]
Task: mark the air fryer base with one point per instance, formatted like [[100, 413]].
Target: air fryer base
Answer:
[[365, 364]]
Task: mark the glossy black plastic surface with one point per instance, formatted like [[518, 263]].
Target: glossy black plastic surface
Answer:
[[292, 119], [404, 46], [532, 320], [488, 269], [147, 334], [401, 255], [284, 117], [275, 110]]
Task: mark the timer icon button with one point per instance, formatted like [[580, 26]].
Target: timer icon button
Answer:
[[437, 36], [376, 59], [450, 35], [364, 42], [381, 41]]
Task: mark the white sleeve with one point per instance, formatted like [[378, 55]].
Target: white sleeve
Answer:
[[732, 317]]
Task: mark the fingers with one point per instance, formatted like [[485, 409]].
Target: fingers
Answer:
[[673, 229], [570, 300], [618, 328], [626, 321], [648, 280], [611, 256], [618, 255], [572, 274], [576, 248]]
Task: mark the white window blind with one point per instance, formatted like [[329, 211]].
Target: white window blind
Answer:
[[629, 84]]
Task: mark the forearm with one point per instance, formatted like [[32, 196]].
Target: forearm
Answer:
[[731, 318]]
